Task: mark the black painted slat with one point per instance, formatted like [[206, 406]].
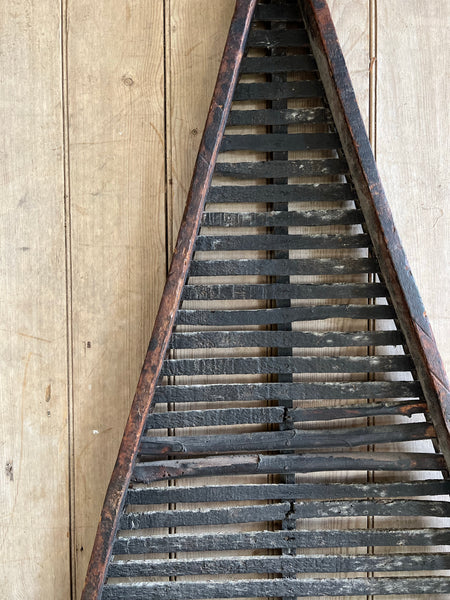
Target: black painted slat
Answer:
[[283, 218], [281, 539], [261, 464], [262, 588], [280, 291], [374, 409], [286, 364], [267, 12], [284, 315], [278, 90], [306, 491], [281, 242], [211, 418], [240, 392], [278, 64], [307, 192], [310, 563], [274, 142], [276, 414], [282, 339], [300, 439], [278, 117], [265, 38], [277, 512], [283, 168], [212, 516], [278, 267]]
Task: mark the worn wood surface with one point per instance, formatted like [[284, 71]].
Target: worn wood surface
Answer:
[[78, 302], [34, 478]]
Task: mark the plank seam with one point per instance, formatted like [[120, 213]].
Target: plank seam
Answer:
[[69, 294]]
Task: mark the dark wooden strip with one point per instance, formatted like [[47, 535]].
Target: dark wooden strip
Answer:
[[305, 491], [367, 508], [211, 418], [157, 349], [284, 315], [262, 588], [253, 464], [229, 416], [281, 339], [286, 364], [283, 218], [274, 142], [374, 409], [210, 516], [281, 242], [280, 539], [278, 117], [280, 291], [241, 392], [267, 12], [278, 64], [310, 563], [266, 38], [299, 439], [283, 168], [278, 90], [290, 266], [307, 192]]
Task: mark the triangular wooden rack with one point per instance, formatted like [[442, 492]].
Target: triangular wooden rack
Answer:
[[277, 433]]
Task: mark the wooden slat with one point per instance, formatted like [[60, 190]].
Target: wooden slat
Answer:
[[311, 218], [265, 38], [281, 242], [278, 64], [283, 315], [281, 169], [260, 464], [307, 192], [239, 392], [210, 516], [319, 266], [212, 418], [276, 414], [273, 587], [277, 512], [278, 117], [267, 12], [299, 439], [283, 291], [310, 563], [305, 491], [331, 538], [287, 364], [278, 91], [273, 142], [281, 339]]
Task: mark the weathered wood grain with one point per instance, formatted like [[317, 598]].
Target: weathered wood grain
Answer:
[[332, 538], [34, 453], [118, 222], [313, 563], [306, 491]]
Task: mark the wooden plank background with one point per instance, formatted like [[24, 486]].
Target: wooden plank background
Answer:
[[103, 105]]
